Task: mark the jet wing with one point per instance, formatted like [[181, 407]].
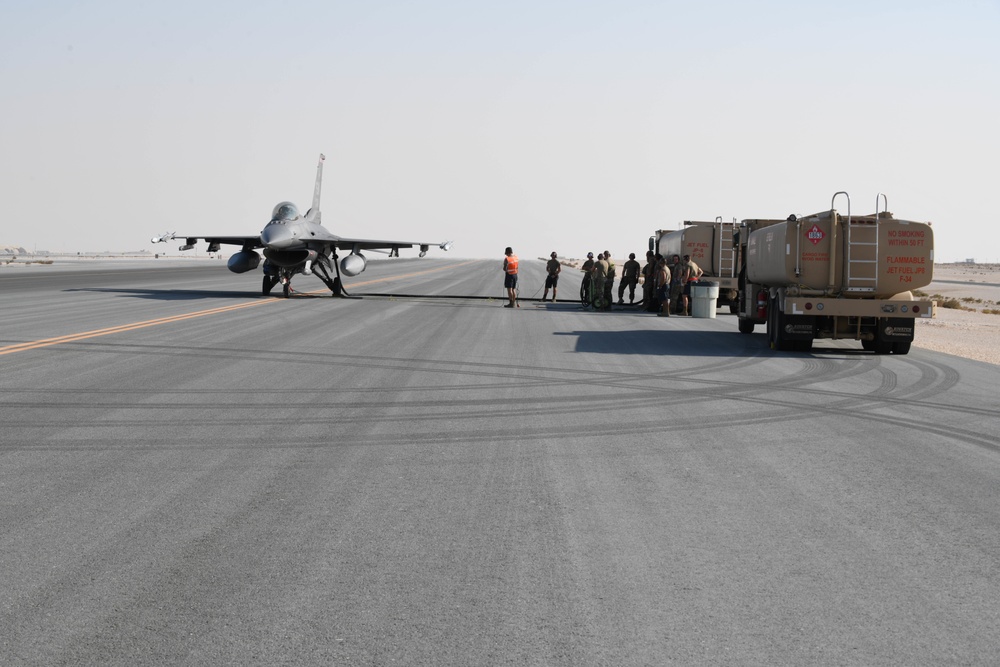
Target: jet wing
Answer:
[[247, 242], [371, 244]]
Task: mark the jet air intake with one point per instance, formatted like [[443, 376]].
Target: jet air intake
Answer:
[[243, 261], [353, 264]]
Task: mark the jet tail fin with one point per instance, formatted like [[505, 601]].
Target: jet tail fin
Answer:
[[319, 185]]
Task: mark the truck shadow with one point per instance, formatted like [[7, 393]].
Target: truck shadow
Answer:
[[667, 342]]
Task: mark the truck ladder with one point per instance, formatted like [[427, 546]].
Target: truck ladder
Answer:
[[862, 251], [724, 239]]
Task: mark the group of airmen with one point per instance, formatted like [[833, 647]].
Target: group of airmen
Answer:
[[599, 280], [669, 284], [665, 287]]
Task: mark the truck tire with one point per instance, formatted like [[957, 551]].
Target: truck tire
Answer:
[[771, 326], [901, 347], [746, 325], [776, 328], [882, 347], [734, 308], [868, 345]]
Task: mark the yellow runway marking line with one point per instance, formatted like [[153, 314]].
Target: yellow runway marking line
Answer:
[[72, 338]]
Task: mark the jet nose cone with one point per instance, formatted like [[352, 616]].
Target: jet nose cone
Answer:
[[276, 235]]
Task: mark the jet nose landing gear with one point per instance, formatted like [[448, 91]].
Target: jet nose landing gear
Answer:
[[272, 278]]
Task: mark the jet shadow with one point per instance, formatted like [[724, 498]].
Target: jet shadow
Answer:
[[194, 295], [179, 295]]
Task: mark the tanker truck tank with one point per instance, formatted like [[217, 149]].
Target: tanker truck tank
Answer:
[[834, 255]]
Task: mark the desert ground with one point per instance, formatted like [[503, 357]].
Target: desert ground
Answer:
[[970, 331]]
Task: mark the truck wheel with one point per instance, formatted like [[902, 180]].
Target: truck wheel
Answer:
[[776, 332], [902, 347], [804, 345], [746, 325], [867, 344], [772, 341], [882, 347], [769, 327]]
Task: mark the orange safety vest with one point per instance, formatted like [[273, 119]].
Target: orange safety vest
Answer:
[[512, 265]]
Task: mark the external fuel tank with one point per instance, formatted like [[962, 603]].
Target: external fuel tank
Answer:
[[829, 254]]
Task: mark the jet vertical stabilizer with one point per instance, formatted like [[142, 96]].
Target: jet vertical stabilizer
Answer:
[[314, 214]]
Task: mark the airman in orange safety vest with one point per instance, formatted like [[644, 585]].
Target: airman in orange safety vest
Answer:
[[510, 277]]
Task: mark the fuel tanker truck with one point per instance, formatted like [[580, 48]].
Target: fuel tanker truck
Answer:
[[829, 275], [710, 245]]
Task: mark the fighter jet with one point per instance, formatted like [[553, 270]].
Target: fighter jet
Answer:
[[295, 243]]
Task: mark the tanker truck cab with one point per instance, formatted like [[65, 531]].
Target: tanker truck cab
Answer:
[[835, 276]]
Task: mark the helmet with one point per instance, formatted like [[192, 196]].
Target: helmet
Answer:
[[590, 255], [553, 254]]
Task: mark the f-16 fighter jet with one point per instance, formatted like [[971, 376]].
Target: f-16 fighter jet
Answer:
[[295, 243]]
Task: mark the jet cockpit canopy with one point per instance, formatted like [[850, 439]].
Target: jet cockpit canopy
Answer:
[[284, 211]]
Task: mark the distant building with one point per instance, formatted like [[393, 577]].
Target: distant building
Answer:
[[12, 250], [970, 261]]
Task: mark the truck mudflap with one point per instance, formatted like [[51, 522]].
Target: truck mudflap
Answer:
[[893, 335], [894, 330], [799, 328], [881, 308]]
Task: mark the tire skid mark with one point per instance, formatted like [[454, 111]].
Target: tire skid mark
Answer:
[[776, 411], [936, 378], [627, 381], [489, 434]]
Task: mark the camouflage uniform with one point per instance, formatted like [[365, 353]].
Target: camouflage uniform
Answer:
[[609, 284], [600, 277]]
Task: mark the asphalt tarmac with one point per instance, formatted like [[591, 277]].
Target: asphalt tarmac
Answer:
[[191, 473]]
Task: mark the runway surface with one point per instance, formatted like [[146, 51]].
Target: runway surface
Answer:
[[192, 473]]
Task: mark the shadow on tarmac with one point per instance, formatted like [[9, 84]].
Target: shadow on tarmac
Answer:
[[693, 344], [178, 295], [669, 342], [194, 295]]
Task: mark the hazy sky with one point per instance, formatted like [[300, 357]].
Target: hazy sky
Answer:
[[545, 125]]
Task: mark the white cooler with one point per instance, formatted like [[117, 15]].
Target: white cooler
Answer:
[[704, 296]]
